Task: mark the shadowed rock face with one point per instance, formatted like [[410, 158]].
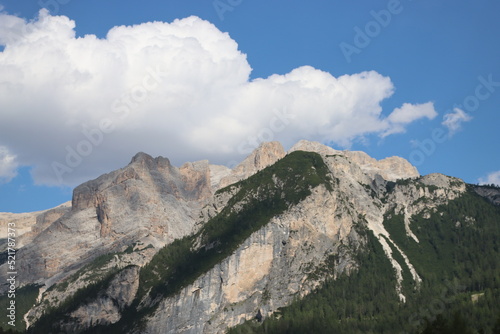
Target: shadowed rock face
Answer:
[[142, 195], [190, 182], [149, 198]]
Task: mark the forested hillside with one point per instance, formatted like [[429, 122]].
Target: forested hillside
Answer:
[[458, 258]]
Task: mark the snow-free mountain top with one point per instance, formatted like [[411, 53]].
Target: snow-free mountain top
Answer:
[[146, 199], [24, 222], [391, 168], [266, 154]]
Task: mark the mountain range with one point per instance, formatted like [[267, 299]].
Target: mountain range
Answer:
[[313, 240]]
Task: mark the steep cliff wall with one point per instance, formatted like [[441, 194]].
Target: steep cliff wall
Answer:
[[266, 272]]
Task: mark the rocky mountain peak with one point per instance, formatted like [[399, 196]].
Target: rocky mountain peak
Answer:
[[313, 146], [441, 181], [146, 160], [141, 156], [390, 169], [265, 155]]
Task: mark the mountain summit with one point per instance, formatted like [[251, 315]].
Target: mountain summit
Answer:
[[310, 240]]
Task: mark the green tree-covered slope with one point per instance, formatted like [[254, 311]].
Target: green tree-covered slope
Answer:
[[457, 257]]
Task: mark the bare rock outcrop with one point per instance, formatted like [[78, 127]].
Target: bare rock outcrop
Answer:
[[492, 194], [148, 199], [390, 169], [265, 155], [28, 225]]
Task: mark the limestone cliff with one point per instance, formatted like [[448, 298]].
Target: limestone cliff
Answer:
[[147, 200], [266, 272], [29, 225]]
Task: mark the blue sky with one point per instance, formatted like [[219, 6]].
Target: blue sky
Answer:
[[433, 98]]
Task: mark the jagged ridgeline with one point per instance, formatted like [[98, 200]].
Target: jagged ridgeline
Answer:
[[310, 241], [253, 203]]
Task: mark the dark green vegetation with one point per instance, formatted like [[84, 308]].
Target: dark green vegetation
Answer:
[[8, 331], [3, 254], [25, 298], [458, 258], [257, 199], [460, 239]]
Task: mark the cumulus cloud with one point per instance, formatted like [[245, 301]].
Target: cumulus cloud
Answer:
[[74, 108], [407, 114], [491, 178], [453, 120], [8, 165]]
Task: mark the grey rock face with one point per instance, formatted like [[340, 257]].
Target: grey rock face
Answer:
[[148, 199], [491, 194], [29, 225], [265, 155]]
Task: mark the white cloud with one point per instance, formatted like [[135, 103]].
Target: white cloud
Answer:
[[453, 120], [408, 113], [8, 165], [491, 178], [179, 89]]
